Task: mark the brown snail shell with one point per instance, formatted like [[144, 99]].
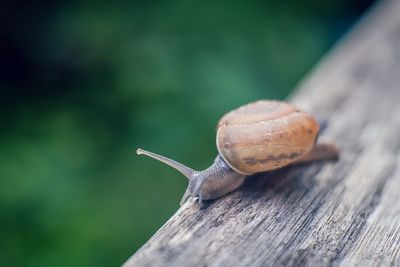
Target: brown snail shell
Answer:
[[265, 135]]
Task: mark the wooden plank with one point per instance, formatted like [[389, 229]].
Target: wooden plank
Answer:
[[341, 213]]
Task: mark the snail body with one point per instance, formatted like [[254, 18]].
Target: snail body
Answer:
[[257, 137]]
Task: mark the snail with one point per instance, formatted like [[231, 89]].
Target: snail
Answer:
[[257, 137]]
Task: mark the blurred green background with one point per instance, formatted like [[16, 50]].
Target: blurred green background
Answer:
[[83, 84]]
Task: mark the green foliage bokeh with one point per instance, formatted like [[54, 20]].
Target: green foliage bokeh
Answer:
[[84, 84]]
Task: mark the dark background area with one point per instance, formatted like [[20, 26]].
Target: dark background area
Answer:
[[83, 84]]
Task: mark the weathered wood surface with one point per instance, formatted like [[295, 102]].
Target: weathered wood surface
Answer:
[[325, 214]]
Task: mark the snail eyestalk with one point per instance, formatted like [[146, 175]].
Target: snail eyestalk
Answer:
[[188, 172]]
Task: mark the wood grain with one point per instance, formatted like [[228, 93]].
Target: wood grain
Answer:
[[344, 213]]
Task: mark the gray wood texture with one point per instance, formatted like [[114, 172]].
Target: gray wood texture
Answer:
[[344, 213]]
